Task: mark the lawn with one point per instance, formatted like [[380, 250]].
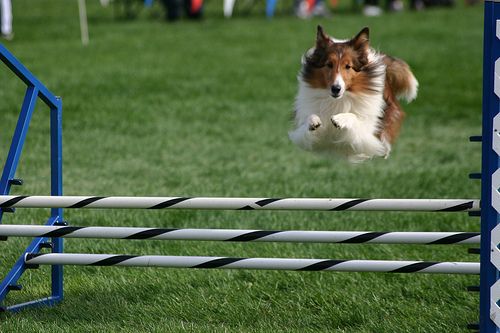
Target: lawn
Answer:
[[202, 108]]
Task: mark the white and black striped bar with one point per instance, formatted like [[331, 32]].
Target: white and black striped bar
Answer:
[[435, 205], [383, 266], [357, 237]]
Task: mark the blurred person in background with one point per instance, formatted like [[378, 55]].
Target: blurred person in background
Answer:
[[307, 8], [192, 8]]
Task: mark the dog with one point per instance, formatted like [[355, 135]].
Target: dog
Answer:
[[347, 101]]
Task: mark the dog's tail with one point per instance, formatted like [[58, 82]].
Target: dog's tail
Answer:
[[400, 78]]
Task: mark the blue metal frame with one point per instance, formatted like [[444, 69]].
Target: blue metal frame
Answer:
[[490, 163], [34, 90]]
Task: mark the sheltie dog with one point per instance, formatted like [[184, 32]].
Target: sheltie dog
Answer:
[[347, 103]]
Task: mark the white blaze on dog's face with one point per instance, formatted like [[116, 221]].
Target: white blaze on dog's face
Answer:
[[337, 71], [334, 65]]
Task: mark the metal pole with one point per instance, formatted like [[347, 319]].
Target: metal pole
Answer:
[[82, 8], [253, 263], [437, 205], [353, 237]]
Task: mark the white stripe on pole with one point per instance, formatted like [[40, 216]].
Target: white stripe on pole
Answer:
[[241, 235], [240, 203], [254, 263]]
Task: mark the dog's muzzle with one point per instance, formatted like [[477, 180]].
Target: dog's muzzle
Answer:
[[336, 91]]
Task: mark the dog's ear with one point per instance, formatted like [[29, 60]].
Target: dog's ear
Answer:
[[322, 39], [362, 40], [361, 44]]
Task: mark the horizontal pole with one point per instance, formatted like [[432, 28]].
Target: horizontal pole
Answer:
[[430, 205], [465, 238], [382, 266]]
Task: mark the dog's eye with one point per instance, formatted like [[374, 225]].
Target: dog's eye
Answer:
[[347, 67], [329, 65]]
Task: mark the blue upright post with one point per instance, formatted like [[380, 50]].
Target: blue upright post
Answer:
[[56, 189], [35, 89], [490, 198]]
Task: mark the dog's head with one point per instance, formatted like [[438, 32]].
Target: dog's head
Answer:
[[334, 65]]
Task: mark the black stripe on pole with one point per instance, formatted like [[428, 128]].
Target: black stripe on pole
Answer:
[[112, 260], [246, 208], [149, 233], [456, 238], [364, 237], [13, 201], [458, 208], [322, 265], [30, 256], [86, 202], [216, 263], [349, 204], [261, 203], [265, 202], [60, 232], [413, 268], [169, 203], [251, 236]]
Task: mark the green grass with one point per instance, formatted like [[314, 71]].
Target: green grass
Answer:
[[203, 109]]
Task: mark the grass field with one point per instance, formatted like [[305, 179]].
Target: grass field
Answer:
[[203, 109]]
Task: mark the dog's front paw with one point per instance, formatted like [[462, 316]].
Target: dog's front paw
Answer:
[[314, 122], [343, 120]]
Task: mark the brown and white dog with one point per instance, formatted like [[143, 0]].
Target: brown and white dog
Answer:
[[347, 103]]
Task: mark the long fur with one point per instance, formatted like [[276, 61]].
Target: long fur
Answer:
[[347, 102]]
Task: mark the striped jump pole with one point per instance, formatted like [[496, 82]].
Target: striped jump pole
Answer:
[[353, 237], [382, 266], [428, 205]]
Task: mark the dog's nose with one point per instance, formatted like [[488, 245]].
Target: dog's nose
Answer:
[[335, 90]]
